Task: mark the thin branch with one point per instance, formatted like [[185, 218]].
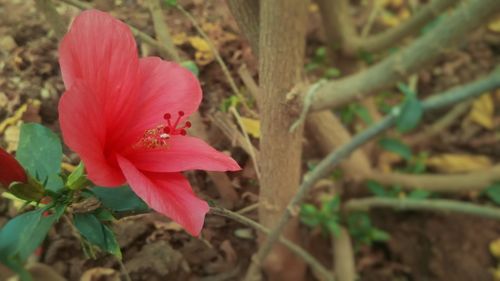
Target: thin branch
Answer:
[[441, 124], [440, 183], [467, 16], [253, 155], [56, 21], [438, 205], [329, 163], [343, 256], [217, 55], [222, 121], [315, 265], [162, 31], [352, 43]]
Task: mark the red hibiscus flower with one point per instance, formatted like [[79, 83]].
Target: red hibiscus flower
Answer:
[[126, 118], [10, 170]]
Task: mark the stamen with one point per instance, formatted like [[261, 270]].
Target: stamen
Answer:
[[158, 137]]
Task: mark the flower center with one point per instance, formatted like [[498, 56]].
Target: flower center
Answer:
[[158, 137]]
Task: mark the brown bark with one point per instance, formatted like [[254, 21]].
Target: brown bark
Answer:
[[246, 13], [282, 47]]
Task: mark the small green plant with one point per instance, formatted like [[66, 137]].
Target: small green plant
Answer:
[[362, 230], [319, 63], [327, 217]]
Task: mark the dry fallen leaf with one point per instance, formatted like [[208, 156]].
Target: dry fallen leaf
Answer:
[[494, 25], [180, 38], [203, 55], [11, 137], [14, 118], [495, 248], [100, 273], [459, 163], [482, 111], [251, 126]]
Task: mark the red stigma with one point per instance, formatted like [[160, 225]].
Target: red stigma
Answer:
[[173, 128]]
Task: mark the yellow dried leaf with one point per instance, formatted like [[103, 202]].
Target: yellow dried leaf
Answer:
[[495, 272], [495, 248], [404, 14], [313, 8], [14, 118], [11, 137], [494, 25], [482, 111], [180, 38], [199, 44], [459, 163], [203, 55], [389, 19], [396, 3], [251, 126]]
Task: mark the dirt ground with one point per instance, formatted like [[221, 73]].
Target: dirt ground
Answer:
[[423, 246]]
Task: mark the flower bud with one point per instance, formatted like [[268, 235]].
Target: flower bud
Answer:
[[10, 170]]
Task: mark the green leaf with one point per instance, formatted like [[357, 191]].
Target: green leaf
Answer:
[[40, 153], [493, 192], [188, 64], [332, 72], [120, 199], [97, 233], [396, 146], [104, 214], [77, 179], [410, 112], [379, 235], [20, 237], [309, 215], [331, 206], [333, 227], [376, 188], [363, 113], [171, 3], [419, 194]]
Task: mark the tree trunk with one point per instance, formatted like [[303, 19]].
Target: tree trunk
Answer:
[[281, 58]]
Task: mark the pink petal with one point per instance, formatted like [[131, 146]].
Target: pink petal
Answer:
[[169, 194], [183, 153], [101, 51], [163, 87], [80, 119]]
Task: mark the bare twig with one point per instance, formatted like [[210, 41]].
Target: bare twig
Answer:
[[344, 262], [438, 205], [338, 22], [250, 83], [247, 140], [441, 124], [162, 31], [440, 183], [223, 122], [467, 16], [217, 55], [315, 265], [326, 165], [56, 21]]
